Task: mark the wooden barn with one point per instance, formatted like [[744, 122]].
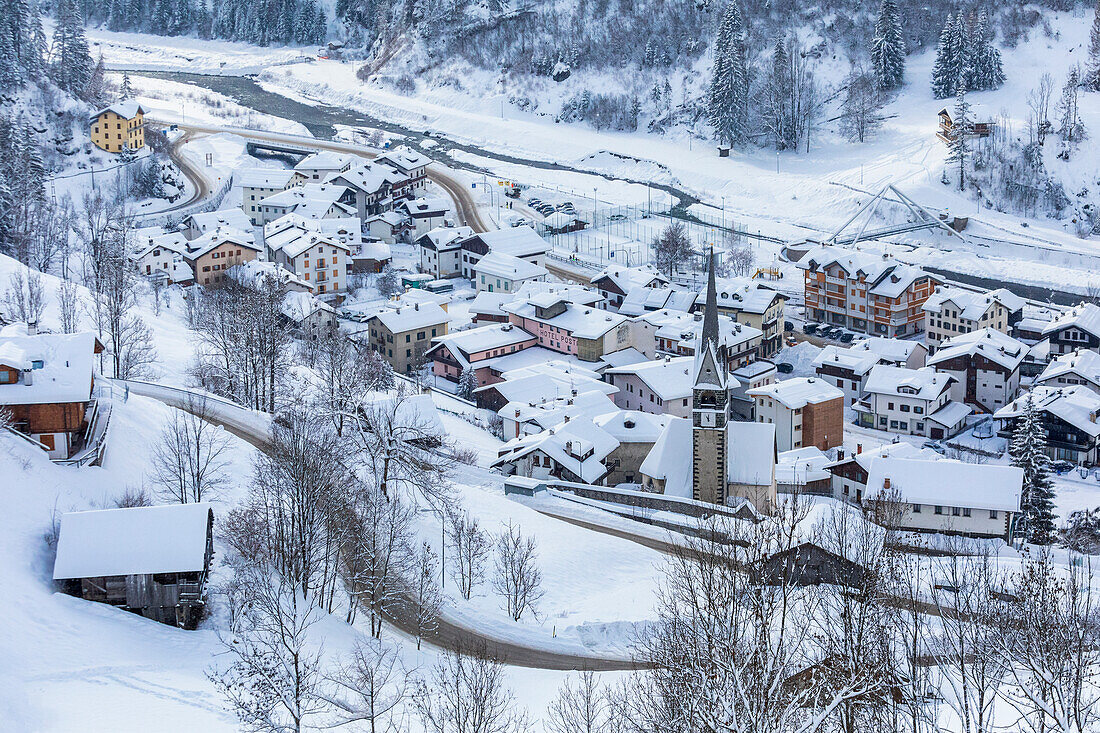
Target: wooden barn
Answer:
[[153, 561], [47, 381]]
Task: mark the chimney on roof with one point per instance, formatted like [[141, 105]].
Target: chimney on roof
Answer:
[[28, 377], [32, 327], [840, 454], [573, 392], [886, 483], [859, 448], [517, 413], [416, 306], [566, 418]]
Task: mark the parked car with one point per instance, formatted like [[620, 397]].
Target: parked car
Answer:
[[791, 341], [846, 337], [933, 445], [512, 193], [533, 202], [618, 217], [811, 328], [836, 333], [784, 367]]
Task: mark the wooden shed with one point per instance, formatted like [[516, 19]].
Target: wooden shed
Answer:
[[150, 560], [809, 564]]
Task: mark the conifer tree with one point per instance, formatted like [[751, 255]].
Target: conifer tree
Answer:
[[126, 89], [959, 145], [1092, 72], [1028, 450], [728, 96], [982, 56], [945, 70], [888, 47], [72, 65], [35, 58], [467, 383]]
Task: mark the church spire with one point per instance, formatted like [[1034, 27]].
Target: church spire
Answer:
[[710, 367], [710, 311]]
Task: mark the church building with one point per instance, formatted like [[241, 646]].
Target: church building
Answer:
[[729, 460]]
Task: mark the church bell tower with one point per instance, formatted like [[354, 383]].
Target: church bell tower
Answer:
[[710, 405]]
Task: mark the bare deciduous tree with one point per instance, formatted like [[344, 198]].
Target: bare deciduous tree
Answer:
[[377, 556], [518, 579], [426, 599], [862, 112], [1038, 101], [25, 298], [671, 248], [371, 687], [274, 682], [584, 708], [191, 457], [68, 305], [466, 694], [347, 376], [470, 548]]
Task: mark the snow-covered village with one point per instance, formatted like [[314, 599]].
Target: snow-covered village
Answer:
[[650, 366]]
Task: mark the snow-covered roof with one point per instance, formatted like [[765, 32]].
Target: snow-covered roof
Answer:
[[255, 272], [445, 238], [135, 541], [392, 218], [1085, 316], [888, 350], [406, 318], [685, 328], [578, 445], [989, 343], [1076, 405], [516, 241], [298, 306], [207, 220], [951, 414], [743, 294], [801, 466], [372, 249], [1082, 364], [404, 159], [669, 378], [154, 238], [670, 458], [629, 278], [586, 404], [214, 238], [632, 426], [489, 304], [311, 195], [578, 321], [971, 306], [857, 361], [65, 375], [901, 449], [423, 207], [947, 483], [924, 383], [263, 177], [623, 357], [509, 267], [798, 392], [643, 300], [463, 344], [545, 381], [325, 160], [127, 109], [751, 453], [563, 291], [367, 177], [346, 228]]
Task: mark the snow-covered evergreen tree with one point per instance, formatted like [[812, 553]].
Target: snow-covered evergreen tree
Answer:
[[961, 123], [778, 117], [1092, 72], [888, 47], [1028, 450], [467, 383], [1070, 126], [945, 70], [72, 65], [981, 55], [126, 89], [728, 95]]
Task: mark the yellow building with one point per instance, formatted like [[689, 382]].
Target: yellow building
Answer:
[[118, 127]]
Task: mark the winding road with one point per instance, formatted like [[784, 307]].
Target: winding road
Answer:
[[254, 428]]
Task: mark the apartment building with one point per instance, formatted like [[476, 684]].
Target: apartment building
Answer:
[[1076, 367], [1078, 328], [865, 292], [403, 335], [951, 311], [753, 304], [806, 411], [256, 184], [985, 365], [911, 402]]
